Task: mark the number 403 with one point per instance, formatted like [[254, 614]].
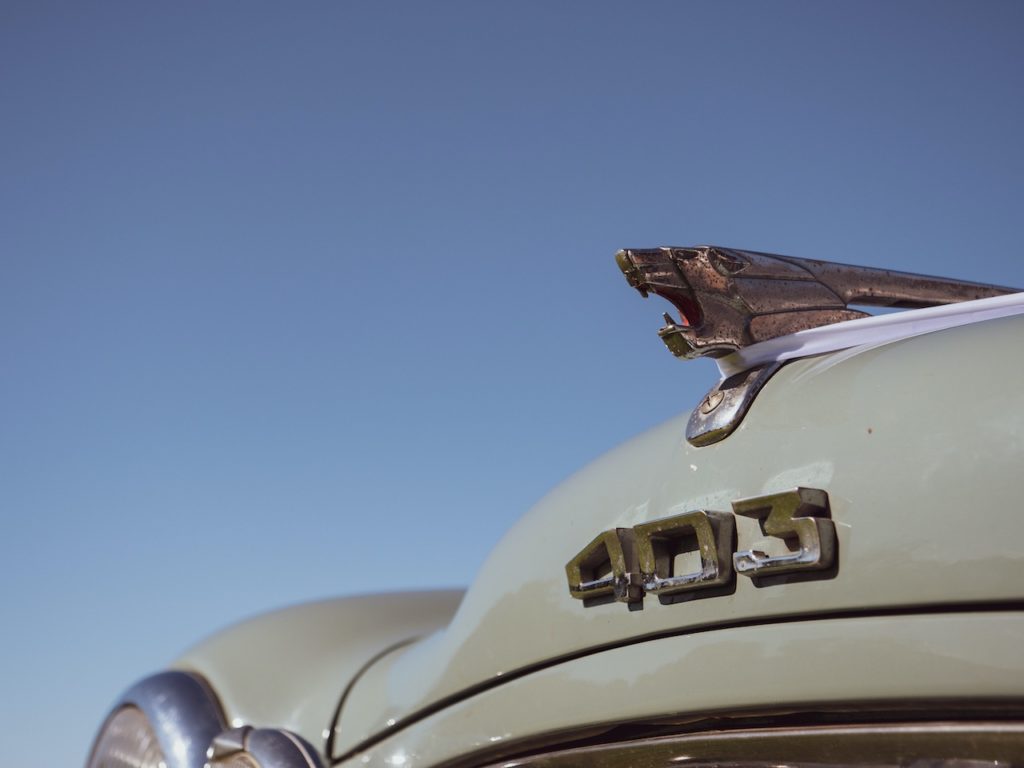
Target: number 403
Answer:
[[625, 563]]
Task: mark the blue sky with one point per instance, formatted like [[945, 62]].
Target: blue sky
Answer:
[[304, 300]]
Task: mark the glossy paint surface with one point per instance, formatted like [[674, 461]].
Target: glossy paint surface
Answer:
[[918, 444], [288, 669], [889, 661]]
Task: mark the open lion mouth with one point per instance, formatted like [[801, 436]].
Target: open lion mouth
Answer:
[[654, 270]]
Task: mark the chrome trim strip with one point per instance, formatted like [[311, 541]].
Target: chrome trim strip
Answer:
[[183, 712], [980, 745]]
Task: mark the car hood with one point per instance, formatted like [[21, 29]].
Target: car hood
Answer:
[[916, 442]]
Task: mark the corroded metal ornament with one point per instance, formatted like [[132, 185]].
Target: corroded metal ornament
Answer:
[[729, 299]]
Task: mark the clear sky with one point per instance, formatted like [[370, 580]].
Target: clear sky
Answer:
[[310, 299]]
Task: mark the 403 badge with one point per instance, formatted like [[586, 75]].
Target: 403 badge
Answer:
[[624, 564]]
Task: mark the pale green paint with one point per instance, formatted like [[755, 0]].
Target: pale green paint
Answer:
[[919, 446], [810, 665], [288, 668]]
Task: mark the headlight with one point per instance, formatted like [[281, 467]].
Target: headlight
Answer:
[[165, 721], [173, 720], [127, 741]]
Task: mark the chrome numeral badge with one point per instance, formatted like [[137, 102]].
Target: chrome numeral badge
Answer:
[[800, 517], [625, 563], [659, 542], [605, 568]]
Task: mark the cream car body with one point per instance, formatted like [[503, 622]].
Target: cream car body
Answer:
[[918, 443]]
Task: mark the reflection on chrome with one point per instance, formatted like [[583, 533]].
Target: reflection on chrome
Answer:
[[165, 720], [173, 720], [267, 747]]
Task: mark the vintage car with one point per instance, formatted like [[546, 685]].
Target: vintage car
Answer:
[[822, 564]]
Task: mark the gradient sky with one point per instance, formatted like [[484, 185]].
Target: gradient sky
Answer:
[[311, 299]]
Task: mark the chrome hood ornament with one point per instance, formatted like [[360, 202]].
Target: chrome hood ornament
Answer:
[[729, 299]]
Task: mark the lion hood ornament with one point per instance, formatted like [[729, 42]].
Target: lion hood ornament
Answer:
[[728, 299]]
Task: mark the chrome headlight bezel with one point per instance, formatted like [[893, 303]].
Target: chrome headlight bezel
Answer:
[[183, 713]]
